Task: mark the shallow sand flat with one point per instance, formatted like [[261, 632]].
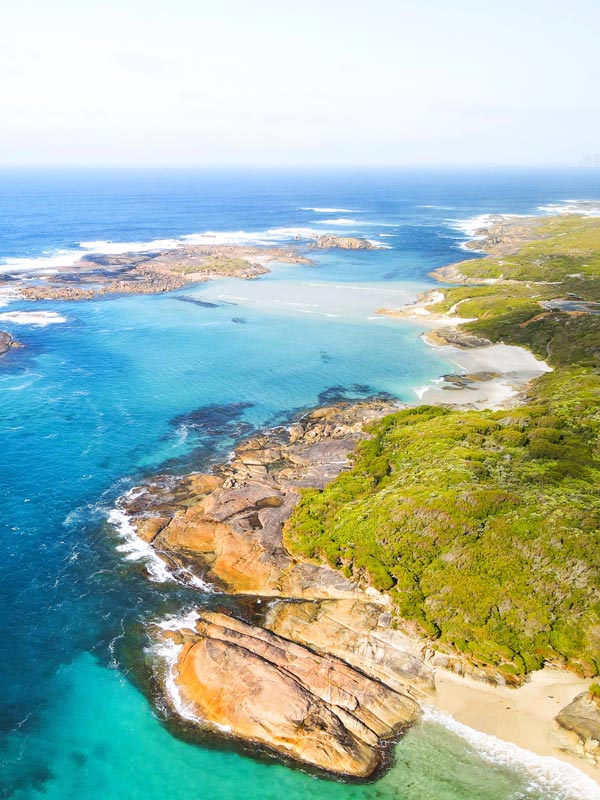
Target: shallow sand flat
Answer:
[[516, 366], [522, 716]]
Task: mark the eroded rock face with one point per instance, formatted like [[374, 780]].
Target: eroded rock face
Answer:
[[576, 728], [227, 528], [360, 633], [267, 689]]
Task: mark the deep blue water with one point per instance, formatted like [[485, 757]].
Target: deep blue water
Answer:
[[95, 401]]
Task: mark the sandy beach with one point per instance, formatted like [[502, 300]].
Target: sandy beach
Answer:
[[513, 366], [522, 716]]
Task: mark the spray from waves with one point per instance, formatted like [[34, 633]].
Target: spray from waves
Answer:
[[546, 775], [473, 228], [136, 549], [166, 652]]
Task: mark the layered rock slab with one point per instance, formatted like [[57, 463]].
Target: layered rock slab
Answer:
[[269, 690]]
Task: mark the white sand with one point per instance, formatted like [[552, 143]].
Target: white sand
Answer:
[[515, 365], [522, 716]]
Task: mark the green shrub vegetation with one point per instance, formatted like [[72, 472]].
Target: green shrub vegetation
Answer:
[[484, 526]]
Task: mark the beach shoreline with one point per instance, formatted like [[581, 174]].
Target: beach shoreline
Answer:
[[522, 716]]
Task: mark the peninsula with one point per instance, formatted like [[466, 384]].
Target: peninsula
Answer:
[[392, 551]]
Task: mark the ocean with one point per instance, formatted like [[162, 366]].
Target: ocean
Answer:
[[106, 392]]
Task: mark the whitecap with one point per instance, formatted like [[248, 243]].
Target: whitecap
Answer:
[[320, 210], [547, 775], [136, 549], [587, 208], [379, 245]]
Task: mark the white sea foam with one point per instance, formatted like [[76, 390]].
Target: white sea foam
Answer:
[[318, 210], [68, 258], [136, 549], [37, 318], [471, 225], [339, 221], [588, 208], [346, 221], [545, 774], [167, 652], [379, 245], [7, 296]]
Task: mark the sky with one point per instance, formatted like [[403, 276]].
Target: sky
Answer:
[[255, 82]]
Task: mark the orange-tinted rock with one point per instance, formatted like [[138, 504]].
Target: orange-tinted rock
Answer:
[[268, 690]]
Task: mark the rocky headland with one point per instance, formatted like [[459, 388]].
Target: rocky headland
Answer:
[[97, 275], [322, 670], [320, 674]]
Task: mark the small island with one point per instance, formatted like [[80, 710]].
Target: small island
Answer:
[[98, 275]]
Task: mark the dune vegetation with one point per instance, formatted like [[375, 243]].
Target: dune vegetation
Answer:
[[484, 526]]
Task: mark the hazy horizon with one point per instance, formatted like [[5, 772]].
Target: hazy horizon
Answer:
[[278, 85]]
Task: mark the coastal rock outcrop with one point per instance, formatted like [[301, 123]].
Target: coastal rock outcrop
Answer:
[[576, 728], [7, 342], [360, 632], [270, 690], [227, 528], [327, 241], [98, 275], [320, 675]]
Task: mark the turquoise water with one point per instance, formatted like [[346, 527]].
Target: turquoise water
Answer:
[[116, 389]]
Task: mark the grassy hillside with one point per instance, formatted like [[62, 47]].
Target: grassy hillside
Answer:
[[485, 526]]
